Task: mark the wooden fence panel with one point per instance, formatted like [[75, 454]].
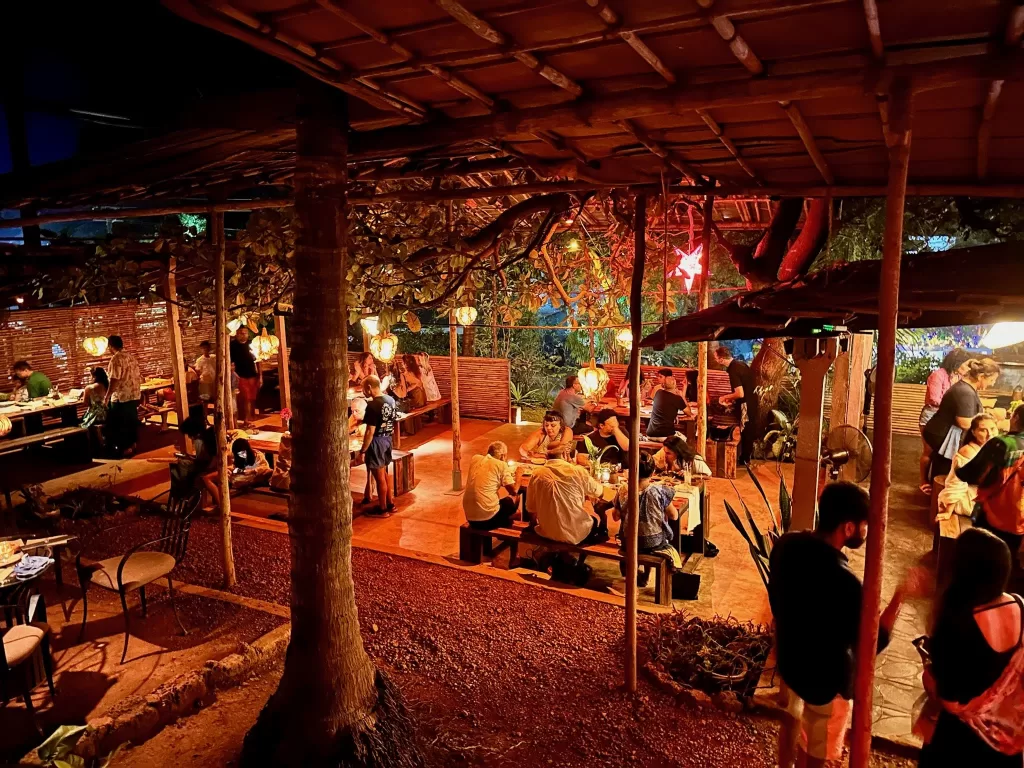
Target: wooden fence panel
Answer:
[[907, 402], [483, 386]]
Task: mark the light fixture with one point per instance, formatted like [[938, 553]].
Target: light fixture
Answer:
[[384, 347], [624, 338], [1004, 335], [264, 346], [5, 426], [465, 315], [238, 322], [20, 299], [371, 324], [592, 379], [574, 245], [689, 265], [95, 345]]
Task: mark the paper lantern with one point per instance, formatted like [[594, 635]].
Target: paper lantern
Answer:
[[624, 338], [264, 346], [1004, 335], [238, 322], [5, 426], [371, 325], [465, 315], [95, 345], [594, 380], [383, 347]]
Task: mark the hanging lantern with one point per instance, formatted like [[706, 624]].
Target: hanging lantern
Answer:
[[371, 325], [384, 347], [594, 380], [465, 315], [624, 338], [264, 346], [95, 345], [238, 322], [688, 266], [5, 426], [1003, 335]]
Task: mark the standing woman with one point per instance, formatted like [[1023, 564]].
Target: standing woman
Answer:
[[427, 376], [411, 384], [944, 431], [949, 372], [974, 643]]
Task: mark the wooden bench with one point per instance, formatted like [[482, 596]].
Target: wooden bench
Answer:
[[472, 540], [442, 406]]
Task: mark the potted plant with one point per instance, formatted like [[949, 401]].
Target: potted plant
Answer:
[[595, 455], [523, 398]]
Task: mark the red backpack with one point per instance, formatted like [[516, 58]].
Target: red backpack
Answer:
[[1003, 502]]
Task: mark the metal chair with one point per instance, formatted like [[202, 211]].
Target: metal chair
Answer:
[[143, 564], [22, 639]]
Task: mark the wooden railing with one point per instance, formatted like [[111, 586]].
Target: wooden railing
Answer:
[[483, 386]]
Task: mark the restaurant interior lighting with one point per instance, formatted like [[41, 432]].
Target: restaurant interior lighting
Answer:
[[624, 338], [688, 266], [1003, 335], [592, 379], [371, 324], [20, 299], [574, 245], [465, 315], [95, 345], [384, 347], [264, 346], [238, 322]]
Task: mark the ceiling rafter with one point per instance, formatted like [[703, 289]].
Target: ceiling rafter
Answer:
[[806, 135], [716, 129], [668, 155], [726, 30], [1012, 37], [613, 22]]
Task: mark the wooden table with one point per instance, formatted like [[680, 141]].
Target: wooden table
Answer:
[[66, 409]]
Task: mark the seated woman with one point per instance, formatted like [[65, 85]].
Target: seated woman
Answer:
[[94, 397], [363, 366], [406, 384], [956, 500], [200, 467], [554, 440], [654, 535], [677, 455]]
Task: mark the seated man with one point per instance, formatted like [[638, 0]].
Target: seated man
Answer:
[[569, 402], [658, 383], [608, 436], [490, 498], [30, 384], [656, 508], [665, 411], [560, 501]]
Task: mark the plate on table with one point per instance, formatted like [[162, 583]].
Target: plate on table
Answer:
[[538, 462]]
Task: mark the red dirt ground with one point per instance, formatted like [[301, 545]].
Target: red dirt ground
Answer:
[[499, 674]]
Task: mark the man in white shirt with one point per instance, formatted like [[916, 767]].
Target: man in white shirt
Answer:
[[206, 367], [559, 499], [123, 396], [490, 498]]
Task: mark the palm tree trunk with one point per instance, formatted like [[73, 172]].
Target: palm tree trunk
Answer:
[[332, 706]]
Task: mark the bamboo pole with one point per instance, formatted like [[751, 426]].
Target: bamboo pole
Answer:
[[223, 400], [703, 301], [453, 356], [283, 376], [494, 315], [177, 354], [901, 108], [633, 519]]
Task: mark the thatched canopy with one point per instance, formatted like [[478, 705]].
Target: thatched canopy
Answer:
[[958, 287]]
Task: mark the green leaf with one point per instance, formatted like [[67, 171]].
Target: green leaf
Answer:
[[61, 742]]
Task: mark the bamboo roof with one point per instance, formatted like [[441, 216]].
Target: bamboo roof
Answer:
[[988, 288], [758, 97]]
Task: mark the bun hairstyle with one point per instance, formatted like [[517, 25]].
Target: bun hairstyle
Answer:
[[984, 366]]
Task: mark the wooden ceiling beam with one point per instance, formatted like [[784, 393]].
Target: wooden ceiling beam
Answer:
[[670, 156], [874, 28], [796, 117], [483, 29], [988, 111], [716, 129], [612, 21], [726, 30], [1015, 26]]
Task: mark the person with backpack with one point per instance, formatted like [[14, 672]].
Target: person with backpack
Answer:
[[975, 661], [998, 472]]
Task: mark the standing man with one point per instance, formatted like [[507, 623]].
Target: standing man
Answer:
[[381, 414], [569, 402], [123, 396], [33, 383], [250, 376], [741, 381], [206, 367], [816, 600]]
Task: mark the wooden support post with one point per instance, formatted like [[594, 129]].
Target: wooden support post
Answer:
[[901, 106], [494, 315], [453, 356], [703, 302], [633, 519], [848, 381], [223, 401], [284, 383], [178, 371], [813, 357]]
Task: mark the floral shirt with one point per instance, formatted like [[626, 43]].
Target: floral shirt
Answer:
[[125, 369]]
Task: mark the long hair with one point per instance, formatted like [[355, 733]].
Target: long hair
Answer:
[[984, 366], [682, 449], [981, 572], [969, 437], [411, 365], [100, 377], [954, 359]]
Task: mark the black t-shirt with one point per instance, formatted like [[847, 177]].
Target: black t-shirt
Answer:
[[961, 400], [740, 375], [815, 599], [664, 413], [381, 413], [244, 362], [614, 454]]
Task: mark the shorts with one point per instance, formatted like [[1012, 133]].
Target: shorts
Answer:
[[249, 389], [378, 455], [823, 728]]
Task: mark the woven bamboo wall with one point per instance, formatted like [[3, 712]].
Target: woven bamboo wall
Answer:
[[907, 402], [483, 386], [51, 339]]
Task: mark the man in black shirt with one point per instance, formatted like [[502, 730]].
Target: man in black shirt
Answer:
[[380, 419], [741, 381], [250, 378], [665, 410], [816, 602], [607, 435]]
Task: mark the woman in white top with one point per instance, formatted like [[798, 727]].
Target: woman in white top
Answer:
[[427, 377], [957, 497], [676, 455]]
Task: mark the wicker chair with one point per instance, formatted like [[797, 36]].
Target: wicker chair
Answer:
[[142, 564], [22, 639]]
